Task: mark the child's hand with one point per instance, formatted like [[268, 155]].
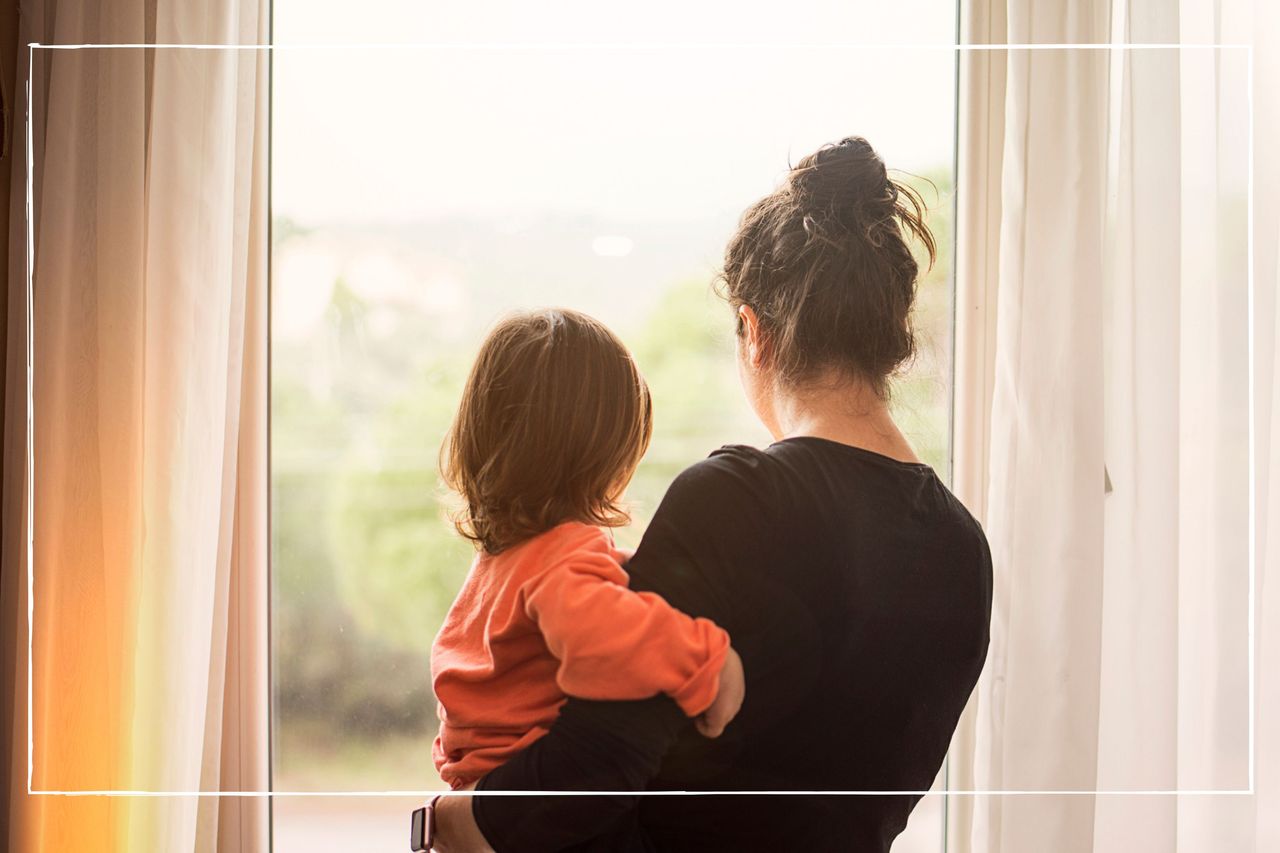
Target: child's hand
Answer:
[[733, 688]]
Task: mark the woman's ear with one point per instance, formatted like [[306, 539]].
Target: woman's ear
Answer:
[[752, 342]]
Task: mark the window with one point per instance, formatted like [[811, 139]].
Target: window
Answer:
[[419, 193]]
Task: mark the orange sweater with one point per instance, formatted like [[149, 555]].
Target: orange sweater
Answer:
[[553, 617]]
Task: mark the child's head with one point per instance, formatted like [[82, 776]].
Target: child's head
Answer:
[[554, 419]]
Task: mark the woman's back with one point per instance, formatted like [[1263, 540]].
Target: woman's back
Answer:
[[857, 590]]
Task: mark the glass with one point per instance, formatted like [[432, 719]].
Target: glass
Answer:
[[420, 193]]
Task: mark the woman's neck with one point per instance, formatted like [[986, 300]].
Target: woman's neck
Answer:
[[848, 412]]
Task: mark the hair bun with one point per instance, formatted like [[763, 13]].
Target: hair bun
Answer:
[[825, 262], [846, 179]]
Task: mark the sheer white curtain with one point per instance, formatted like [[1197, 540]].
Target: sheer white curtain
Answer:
[[150, 395], [1103, 420]]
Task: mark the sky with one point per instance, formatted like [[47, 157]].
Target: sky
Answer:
[[678, 112]]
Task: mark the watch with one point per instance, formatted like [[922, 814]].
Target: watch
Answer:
[[422, 831]]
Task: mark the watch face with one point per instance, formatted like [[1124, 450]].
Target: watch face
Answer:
[[418, 831]]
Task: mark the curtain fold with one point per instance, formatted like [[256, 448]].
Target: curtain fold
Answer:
[[1111, 387], [1137, 745], [1035, 729], [979, 158], [149, 474], [1261, 813]]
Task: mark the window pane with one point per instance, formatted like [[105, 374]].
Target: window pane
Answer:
[[418, 194]]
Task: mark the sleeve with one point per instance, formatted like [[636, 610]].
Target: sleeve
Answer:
[[614, 747], [618, 747], [613, 643]]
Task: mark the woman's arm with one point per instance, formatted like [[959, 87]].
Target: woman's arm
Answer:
[[710, 513], [603, 746], [456, 828], [613, 747]]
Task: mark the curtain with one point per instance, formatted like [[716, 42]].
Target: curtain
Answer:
[[1103, 414], [149, 431]]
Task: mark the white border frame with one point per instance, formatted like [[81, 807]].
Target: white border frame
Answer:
[[32, 47]]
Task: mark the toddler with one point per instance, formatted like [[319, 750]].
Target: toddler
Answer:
[[553, 422]]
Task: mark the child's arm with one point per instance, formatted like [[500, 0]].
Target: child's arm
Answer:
[[613, 643]]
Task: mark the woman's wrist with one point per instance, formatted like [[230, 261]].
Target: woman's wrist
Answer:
[[456, 827]]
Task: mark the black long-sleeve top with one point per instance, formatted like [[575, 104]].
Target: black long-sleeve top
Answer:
[[857, 590]]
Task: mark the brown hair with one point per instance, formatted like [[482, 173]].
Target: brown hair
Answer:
[[553, 421], [825, 263]]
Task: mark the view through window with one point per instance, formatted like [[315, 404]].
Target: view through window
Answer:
[[418, 194]]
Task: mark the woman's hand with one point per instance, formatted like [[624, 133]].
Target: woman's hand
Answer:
[[733, 688], [456, 828]]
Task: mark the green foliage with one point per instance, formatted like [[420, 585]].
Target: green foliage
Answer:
[[921, 401], [399, 562], [686, 352], [325, 668]]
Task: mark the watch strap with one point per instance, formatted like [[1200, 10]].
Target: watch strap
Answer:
[[431, 821]]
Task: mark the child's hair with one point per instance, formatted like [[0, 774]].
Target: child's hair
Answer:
[[553, 421]]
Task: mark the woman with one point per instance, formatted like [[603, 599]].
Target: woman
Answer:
[[856, 588]]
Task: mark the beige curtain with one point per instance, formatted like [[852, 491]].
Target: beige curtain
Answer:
[[1103, 421], [149, 475]]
